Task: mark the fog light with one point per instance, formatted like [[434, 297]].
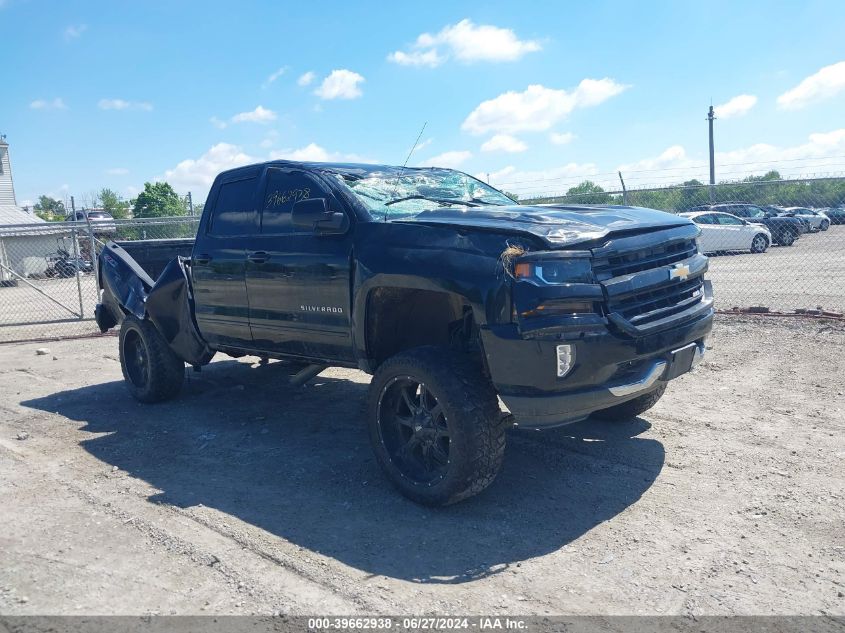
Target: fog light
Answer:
[[565, 359]]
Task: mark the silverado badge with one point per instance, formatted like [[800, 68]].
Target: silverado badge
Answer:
[[679, 271]]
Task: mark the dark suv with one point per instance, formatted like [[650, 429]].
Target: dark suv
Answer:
[[784, 230]]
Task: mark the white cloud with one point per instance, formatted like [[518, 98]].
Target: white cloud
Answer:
[[259, 115], [430, 58], [273, 77], [270, 139], [467, 42], [75, 31], [122, 104], [196, 175], [340, 84], [735, 107], [423, 144], [448, 159], [48, 104], [218, 123], [552, 180], [504, 143], [827, 82], [306, 79], [117, 171], [674, 165], [317, 153], [561, 138], [537, 108]]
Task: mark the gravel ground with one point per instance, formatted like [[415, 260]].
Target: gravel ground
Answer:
[[245, 495]]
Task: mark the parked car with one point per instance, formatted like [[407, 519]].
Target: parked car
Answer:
[[102, 222], [723, 232], [816, 220], [836, 215], [784, 230], [446, 290]]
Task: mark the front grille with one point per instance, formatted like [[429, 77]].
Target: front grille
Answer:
[[618, 264], [636, 275], [658, 303]]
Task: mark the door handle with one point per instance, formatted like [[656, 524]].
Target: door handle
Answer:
[[258, 257], [201, 259]]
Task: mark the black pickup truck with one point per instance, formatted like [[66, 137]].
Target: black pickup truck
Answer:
[[442, 287]]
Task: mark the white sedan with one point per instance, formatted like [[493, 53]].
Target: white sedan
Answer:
[[725, 232]]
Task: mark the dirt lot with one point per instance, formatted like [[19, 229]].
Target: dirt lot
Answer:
[[245, 495]]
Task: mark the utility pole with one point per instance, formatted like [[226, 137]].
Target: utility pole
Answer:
[[711, 116]]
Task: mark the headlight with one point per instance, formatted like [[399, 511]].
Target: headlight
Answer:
[[554, 270]]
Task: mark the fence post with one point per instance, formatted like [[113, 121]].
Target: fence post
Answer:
[[624, 191], [75, 236]]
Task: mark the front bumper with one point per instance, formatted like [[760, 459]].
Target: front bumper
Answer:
[[609, 369]]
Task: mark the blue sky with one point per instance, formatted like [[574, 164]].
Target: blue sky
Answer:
[[539, 95]]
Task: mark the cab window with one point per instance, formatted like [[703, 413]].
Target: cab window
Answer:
[[285, 187], [234, 211]]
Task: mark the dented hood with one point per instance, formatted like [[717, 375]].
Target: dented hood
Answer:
[[558, 225]]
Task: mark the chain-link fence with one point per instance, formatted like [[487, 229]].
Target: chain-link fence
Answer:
[[48, 285], [801, 266], [48, 288]]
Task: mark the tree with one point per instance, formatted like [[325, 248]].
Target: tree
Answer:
[[113, 205], [158, 200], [50, 209], [589, 192]]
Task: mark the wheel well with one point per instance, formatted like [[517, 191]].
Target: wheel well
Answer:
[[404, 318]]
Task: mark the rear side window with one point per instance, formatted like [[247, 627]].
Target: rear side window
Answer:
[[234, 211], [704, 219], [284, 189]]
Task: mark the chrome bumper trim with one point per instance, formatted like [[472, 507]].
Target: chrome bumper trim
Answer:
[[643, 383]]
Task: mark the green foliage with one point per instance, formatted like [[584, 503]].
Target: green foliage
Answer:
[[589, 192], [512, 196], [158, 200], [50, 209], [768, 189], [112, 204]]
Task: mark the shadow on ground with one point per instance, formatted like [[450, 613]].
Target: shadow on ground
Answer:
[[297, 463]]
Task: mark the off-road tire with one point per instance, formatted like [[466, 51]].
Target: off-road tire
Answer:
[[164, 372], [759, 244], [631, 409], [476, 426], [787, 238]]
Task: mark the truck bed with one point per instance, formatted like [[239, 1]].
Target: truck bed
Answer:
[[154, 255]]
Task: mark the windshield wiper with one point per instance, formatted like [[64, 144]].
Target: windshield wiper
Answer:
[[437, 200]]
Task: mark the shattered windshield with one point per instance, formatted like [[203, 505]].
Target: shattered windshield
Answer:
[[389, 196]]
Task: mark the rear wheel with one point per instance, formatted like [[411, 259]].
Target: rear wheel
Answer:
[[759, 244], [435, 425], [632, 408], [787, 238], [151, 370]]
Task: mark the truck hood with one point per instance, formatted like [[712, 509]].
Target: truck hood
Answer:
[[556, 224]]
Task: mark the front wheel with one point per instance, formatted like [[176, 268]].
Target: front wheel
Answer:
[[151, 370], [435, 425], [825, 225], [759, 244]]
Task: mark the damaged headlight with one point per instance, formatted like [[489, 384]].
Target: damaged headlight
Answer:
[[564, 269]]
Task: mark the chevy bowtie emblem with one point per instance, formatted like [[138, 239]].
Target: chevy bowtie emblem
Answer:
[[679, 271]]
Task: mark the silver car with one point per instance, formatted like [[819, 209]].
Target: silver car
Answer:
[[816, 220]]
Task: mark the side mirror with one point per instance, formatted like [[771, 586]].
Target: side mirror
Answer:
[[314, 214]]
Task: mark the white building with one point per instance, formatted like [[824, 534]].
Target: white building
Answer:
[[23, 250]]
